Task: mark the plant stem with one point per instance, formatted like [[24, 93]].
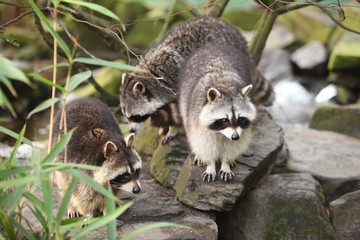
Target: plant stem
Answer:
[[217, 7]]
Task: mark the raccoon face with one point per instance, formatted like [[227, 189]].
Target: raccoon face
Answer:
[[228, 115], [121, 166], [137, 100]]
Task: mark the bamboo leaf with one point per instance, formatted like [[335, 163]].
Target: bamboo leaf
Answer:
[[61, 64], [151, 226], [35, 201], [9, 201], [101, 221], [8, 84], [52, 31], [10, 71], [12, 171], [7, 225], [77, 79], [17, 182], [98, 187], [19, 227], [39, 216], [16, 146], [48, 202], [5, 103], [48, 82], [42, 106], [15, 135], [111, 226], [66, 199], [58, 148], [104, 63], [95, 7], [61, 165]]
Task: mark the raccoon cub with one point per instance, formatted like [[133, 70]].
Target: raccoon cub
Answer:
[[143, 93], [97, 140], [216, 108]]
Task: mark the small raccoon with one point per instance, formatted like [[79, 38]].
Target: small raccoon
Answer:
[[215, 106], [97, 140], [143, 93]]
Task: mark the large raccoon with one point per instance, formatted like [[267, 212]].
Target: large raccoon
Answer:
[[97, 140], [215, 106], [143, 93]]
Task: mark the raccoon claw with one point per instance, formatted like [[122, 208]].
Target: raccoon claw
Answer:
[[73, 214], [208, 176], [166, 139], [226, 175], [197, 162], [119, 223]]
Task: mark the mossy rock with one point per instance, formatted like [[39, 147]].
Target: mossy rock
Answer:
[[341, 119], [246, 20], [147, 139], [346, 95]]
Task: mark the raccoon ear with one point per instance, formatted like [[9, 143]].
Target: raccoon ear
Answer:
[[139, 88], [129, 140], [109, 148], [245, 90], [123, 76], [212, 94]]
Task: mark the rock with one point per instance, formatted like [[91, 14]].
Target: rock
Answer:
[[279, 37], [332, 158], [341, 119], [286, 206], [346, 54], [168, 159], [293, 105], [147, 139], [250, 168], [275, 64], [310, 59], [345, 216]]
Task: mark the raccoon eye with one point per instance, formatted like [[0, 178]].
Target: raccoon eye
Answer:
[[243, 122], [124, 178], [138, 118], [220, 124]]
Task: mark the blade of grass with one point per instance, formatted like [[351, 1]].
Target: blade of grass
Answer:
[[5, 103], [42, 106], [8, 84], [10, 201], [61, 165], [66, 199], [7, 225], [111, 226], [17, 182], [98, 187], [58, 148], [16, 146], [61, 64], [101, 221], [104, 63], [151, 226], [15, 170], [19, 227], [48, 82], [52, 31], [77, 79], [10, 71], [15, 135], [39, 217], [35, 201]]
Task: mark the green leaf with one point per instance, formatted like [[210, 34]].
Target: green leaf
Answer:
[[104, 63], [66, 199], [48, 82], [5, 103], [35, 201], [8, 84], [61, 165], [151, 226], [42, 106], [12, 171], [17, 144], [48, 202], [95, 7], [39, 216], [98, 187], [111, 226], [101, 221], [7, 225], [12, 72], [52, 31], [17, 182], [58, 148], [61, 64], [19, 227], [77, 79], [10, 201], [14, 135]]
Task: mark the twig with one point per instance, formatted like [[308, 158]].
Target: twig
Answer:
[[217, 7], [16, 19], [14, 4]]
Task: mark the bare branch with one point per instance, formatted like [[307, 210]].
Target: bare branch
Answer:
[[14, 4], [217, 7], [16, 19]]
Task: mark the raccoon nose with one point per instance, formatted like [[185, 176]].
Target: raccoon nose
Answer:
[[136, 189], [132, 130], [235, 136]]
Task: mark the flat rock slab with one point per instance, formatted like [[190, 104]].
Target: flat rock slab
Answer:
[[285, 206], [330, 157], [250, 168]]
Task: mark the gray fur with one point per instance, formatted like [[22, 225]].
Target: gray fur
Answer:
[[228, 70]]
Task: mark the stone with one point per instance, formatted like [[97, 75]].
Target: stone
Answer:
[[294, 105], [310, 59], [147, 139], [341, 119], [285, 206], [279, 37], [332, 158], [250, 168], [345, 215], [346, 54], [275, 65]]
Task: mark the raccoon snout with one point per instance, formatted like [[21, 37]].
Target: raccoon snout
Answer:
[[235, 136], [136, 189]]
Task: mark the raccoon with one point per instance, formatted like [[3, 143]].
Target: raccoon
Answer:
[[215, 106], [97, 140], [144, 93]]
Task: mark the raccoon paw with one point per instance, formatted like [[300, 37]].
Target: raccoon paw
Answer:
[[167, 139], [208, 176], [226, 175], [119, 223], [73, 214], [198, 162]]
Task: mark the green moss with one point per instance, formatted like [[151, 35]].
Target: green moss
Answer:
[[277, 230], [147, 139], [246, 20], [159, 167], [346, 54]]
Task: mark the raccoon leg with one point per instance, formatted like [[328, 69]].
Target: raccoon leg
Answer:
[[197, 162], [72, 212], [225, 171], [210, 172], [173, 131]]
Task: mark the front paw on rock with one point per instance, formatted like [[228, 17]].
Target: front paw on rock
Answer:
[[208, 176], [226, 175]]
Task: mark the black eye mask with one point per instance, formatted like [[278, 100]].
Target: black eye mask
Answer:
[[138, 118]]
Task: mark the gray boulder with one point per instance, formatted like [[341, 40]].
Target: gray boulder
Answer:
[[286, 206], [275, 64], [345, 216], [250, 168], [332, 158]]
